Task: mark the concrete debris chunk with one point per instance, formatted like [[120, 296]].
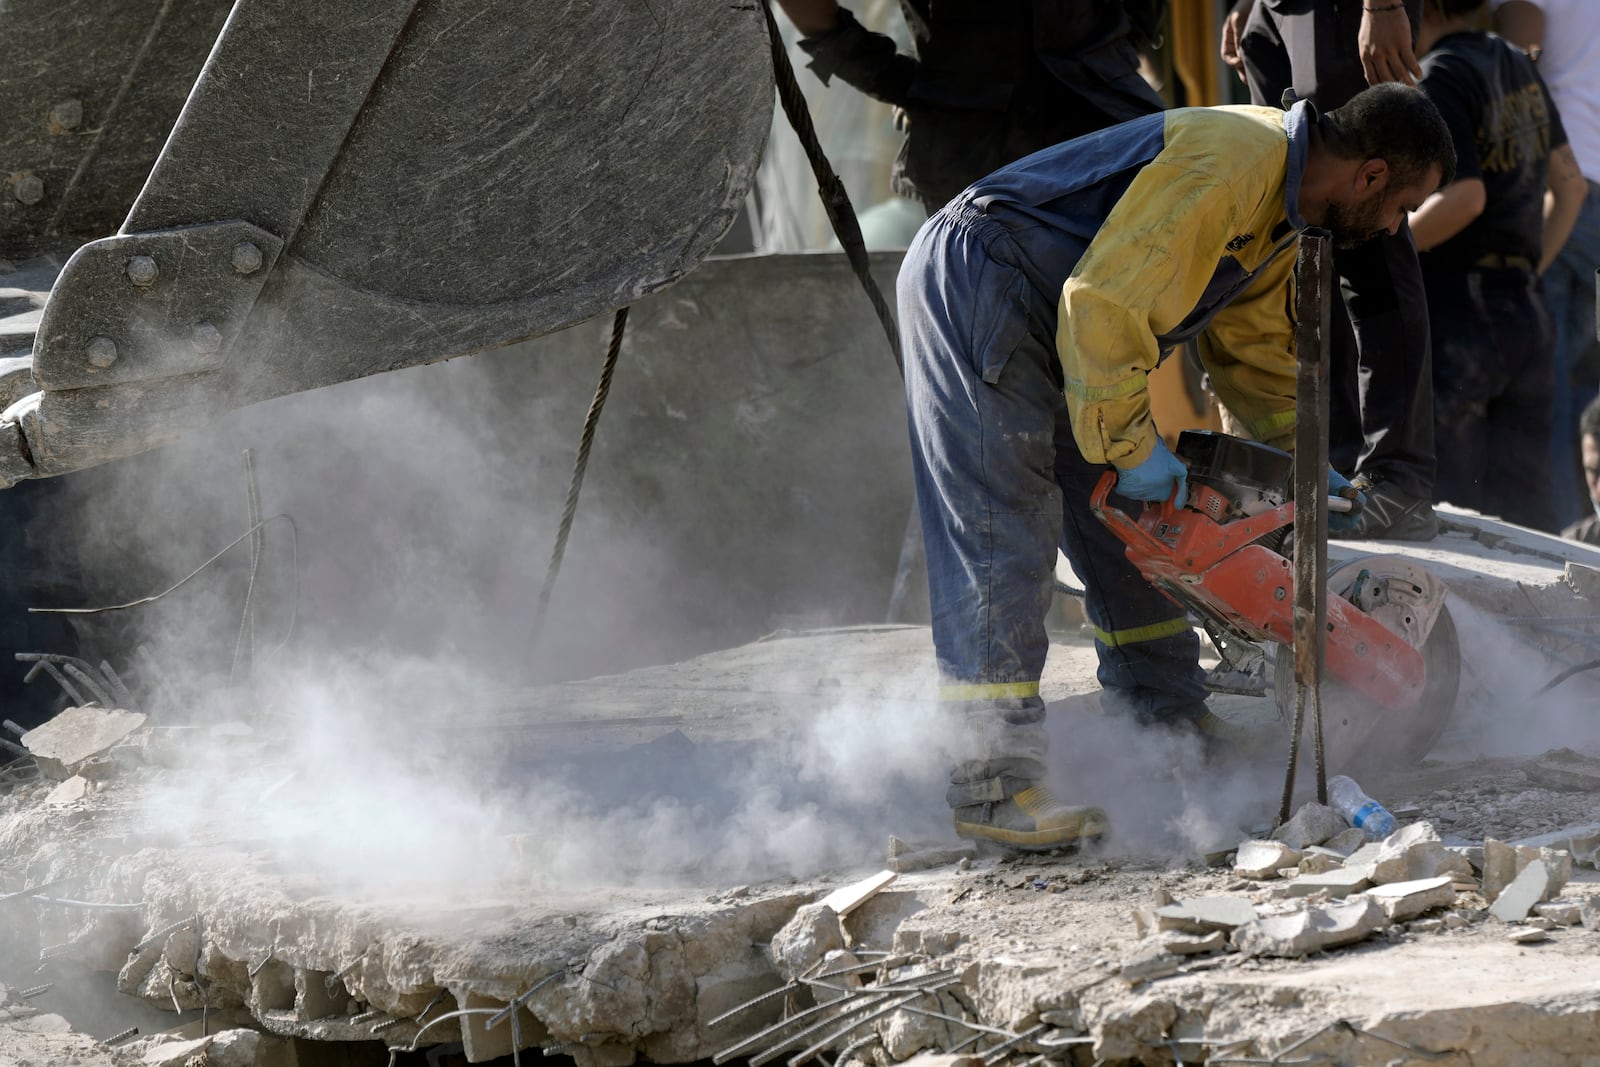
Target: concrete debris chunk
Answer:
[[1194, 944], [1454, 920], [1530, 936], [1527, 889], [70, 791], [1589, 913], [1261, 860], [1149, 963], [1425, 926], [1503, 863], [1561, 912], [1565, 770], [1320, 863], [62, 745], [1407, 900], [848, 898], [1337, 884], [1312, 825], [1201, 915], [1346, 841], [1415, 852], [806, 939], [906, 856], [1313, 929], [928, 1059], [1365, 858]]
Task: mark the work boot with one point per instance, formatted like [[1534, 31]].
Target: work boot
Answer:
[[1030, 820], [1390, 515], [1004, 802]]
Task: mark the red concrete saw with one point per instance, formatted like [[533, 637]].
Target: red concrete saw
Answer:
[[1393, 661]]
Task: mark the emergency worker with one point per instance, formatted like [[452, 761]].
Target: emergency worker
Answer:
[[1032, 307], [991, 82], [1380, 427], [1484, 240]]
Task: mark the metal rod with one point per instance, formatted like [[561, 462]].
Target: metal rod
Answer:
[[999, 1052], [65, 902], [387, 1024], [1313, 280], [165, 931], [118, 1038], [845, 1031], [451, 1015], [89, 682], [38, 990], [114, 680], [517, 1002], [788, 987]]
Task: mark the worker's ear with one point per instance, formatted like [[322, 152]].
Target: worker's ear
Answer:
[[1372, 177]]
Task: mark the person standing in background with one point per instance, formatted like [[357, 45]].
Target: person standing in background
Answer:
[[1483, 239], [1381, 402], [991, 82], [1564, 38]]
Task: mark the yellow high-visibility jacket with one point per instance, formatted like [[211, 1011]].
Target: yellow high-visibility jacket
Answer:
[[1191, 218]]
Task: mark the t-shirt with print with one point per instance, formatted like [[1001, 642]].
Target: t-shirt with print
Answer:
[[1504, 125]]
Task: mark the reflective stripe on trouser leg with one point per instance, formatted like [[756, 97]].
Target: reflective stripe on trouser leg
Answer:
[[983, 426]]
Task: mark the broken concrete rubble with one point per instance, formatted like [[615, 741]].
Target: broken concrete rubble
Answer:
[[1531, 885], [1262, 860], [634, 973], [1312, 825], [1313, 928], [1415, 852], [1407, 900], [69, 740]]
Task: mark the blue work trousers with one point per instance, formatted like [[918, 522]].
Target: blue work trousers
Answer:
[[1001, 483]]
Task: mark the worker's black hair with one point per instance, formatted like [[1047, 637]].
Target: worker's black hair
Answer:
[[1589, 421], [1395, 123], [1452, 8]]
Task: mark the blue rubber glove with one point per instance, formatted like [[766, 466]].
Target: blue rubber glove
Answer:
[[1155, 479], [1342, 522]]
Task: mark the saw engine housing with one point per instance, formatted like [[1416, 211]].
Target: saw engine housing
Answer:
[[1223, 557]]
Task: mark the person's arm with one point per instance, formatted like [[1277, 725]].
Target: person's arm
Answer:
[[1385, 43], [1565, 190], [1448, 212], [1521, 23], [1143, 273], [1232, 31], [839, 45], [812, 17]]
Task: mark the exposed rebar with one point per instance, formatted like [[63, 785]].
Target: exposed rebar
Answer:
[[444, 1018], [118, 1038], [38, 990], [517, 1002], [164, 932]]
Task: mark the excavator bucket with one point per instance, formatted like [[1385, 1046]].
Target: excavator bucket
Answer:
[[319, 191]]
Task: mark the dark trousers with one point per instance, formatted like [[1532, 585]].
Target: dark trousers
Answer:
[[1381, 407], [1494, 377]]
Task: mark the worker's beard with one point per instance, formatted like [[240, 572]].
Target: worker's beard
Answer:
[[1353, 227]]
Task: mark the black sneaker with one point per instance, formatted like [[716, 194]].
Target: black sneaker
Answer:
[[1390, 515]]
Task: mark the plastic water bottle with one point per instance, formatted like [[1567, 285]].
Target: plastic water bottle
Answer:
[[1358, 809]]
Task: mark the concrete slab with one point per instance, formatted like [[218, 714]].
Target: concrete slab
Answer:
[[62, 745]]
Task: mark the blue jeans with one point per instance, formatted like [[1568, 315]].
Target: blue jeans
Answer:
[[1569, 297], [1001, 483]]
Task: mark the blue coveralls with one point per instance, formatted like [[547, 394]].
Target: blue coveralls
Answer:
[[1001, 480]]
